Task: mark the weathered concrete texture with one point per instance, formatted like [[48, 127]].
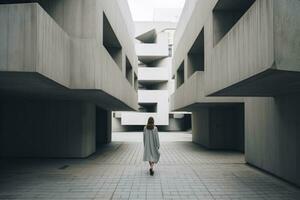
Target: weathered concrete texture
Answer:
[[251, 48], [45, 128], [67, 47], [191, 95], [219, 127], [265, 40], [195, 41], [32, 42], [272, 135], [60, 54]]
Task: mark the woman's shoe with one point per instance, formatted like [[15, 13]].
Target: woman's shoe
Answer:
[[151, 172]]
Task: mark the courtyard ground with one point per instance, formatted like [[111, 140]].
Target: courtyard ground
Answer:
[[116, 171]]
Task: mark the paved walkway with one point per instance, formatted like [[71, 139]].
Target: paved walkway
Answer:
[[186, 171]]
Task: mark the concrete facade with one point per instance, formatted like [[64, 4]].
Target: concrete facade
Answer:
[[215, 120], [272, 135], [154, 42], [251, 53], [78, 55]]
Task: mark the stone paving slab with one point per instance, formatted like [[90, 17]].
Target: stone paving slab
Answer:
[[116, 171]]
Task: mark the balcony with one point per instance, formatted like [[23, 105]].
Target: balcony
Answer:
[[32, 42], [258, 56], [191, 94], [157, 98], [150, 52], [153, 74]]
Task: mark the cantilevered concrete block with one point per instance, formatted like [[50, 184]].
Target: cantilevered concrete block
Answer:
[[258, 55], [64, 66]]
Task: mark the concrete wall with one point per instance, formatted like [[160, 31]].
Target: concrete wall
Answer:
[[286, 32], [216, 121], [256, 57], [53, 53], [31, 41], [265, 41], [67, 46], [47, 128], [261, 39], [192, 92], [103, 126], [254, 47], [175, 124], [219, 127], [157, 74], [200, 127], [272, 135]]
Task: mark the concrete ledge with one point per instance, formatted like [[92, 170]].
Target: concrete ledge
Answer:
[[153, 74], [268, 83], [192, 94]]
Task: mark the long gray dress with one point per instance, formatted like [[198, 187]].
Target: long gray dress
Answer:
[[151, 145]]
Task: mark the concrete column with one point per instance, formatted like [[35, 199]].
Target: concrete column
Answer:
[[219, 127], [200, 127], [46, 128]]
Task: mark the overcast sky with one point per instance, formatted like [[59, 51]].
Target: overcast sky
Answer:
[[142, 10]]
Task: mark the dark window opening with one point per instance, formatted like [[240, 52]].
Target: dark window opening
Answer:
[[196, 55], [111, 42], [180, 75], [170, 50], [226, 14], [129, 71], [149, 37], [148, 85], [148, 107], [136, 82]]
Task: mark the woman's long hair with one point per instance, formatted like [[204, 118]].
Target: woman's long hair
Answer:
[[150, 124]]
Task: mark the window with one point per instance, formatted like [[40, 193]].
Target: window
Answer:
[[148, 107], [136, 84], [196, 55], [111, 42], [180, 75], [149, 85], [170, 50], [226, 14], [129, 72]]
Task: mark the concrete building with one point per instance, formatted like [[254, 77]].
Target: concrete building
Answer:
[[154, 43], [217, 122], [64, 66], [251, 51]]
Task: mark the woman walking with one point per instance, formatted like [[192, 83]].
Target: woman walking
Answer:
[[151, 144]]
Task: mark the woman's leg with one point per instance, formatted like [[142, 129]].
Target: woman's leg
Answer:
[[151, 164]]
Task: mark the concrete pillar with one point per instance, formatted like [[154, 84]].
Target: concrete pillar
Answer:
[[46, 128], [219, 127], [200, 127]]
